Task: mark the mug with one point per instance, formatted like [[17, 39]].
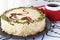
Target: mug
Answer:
[[51, 10]]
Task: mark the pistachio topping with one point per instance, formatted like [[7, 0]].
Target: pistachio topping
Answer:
[[16, 16]]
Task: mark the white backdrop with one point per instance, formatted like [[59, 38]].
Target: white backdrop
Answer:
[[3, 6], [8, 4]]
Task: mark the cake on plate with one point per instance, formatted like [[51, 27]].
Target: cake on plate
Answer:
[[23, 21]]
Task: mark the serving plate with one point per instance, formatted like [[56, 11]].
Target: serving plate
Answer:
[[4, 35]]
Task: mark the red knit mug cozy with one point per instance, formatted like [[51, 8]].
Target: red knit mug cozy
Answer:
[[51, 10]]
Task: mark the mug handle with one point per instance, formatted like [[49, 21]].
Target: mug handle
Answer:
[[41, 8]]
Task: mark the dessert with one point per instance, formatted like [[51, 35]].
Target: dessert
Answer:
[[23, 21]]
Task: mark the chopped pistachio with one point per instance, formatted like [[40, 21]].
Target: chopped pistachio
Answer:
[[28, 22]]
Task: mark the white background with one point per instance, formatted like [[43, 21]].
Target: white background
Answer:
[[8, 4]]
